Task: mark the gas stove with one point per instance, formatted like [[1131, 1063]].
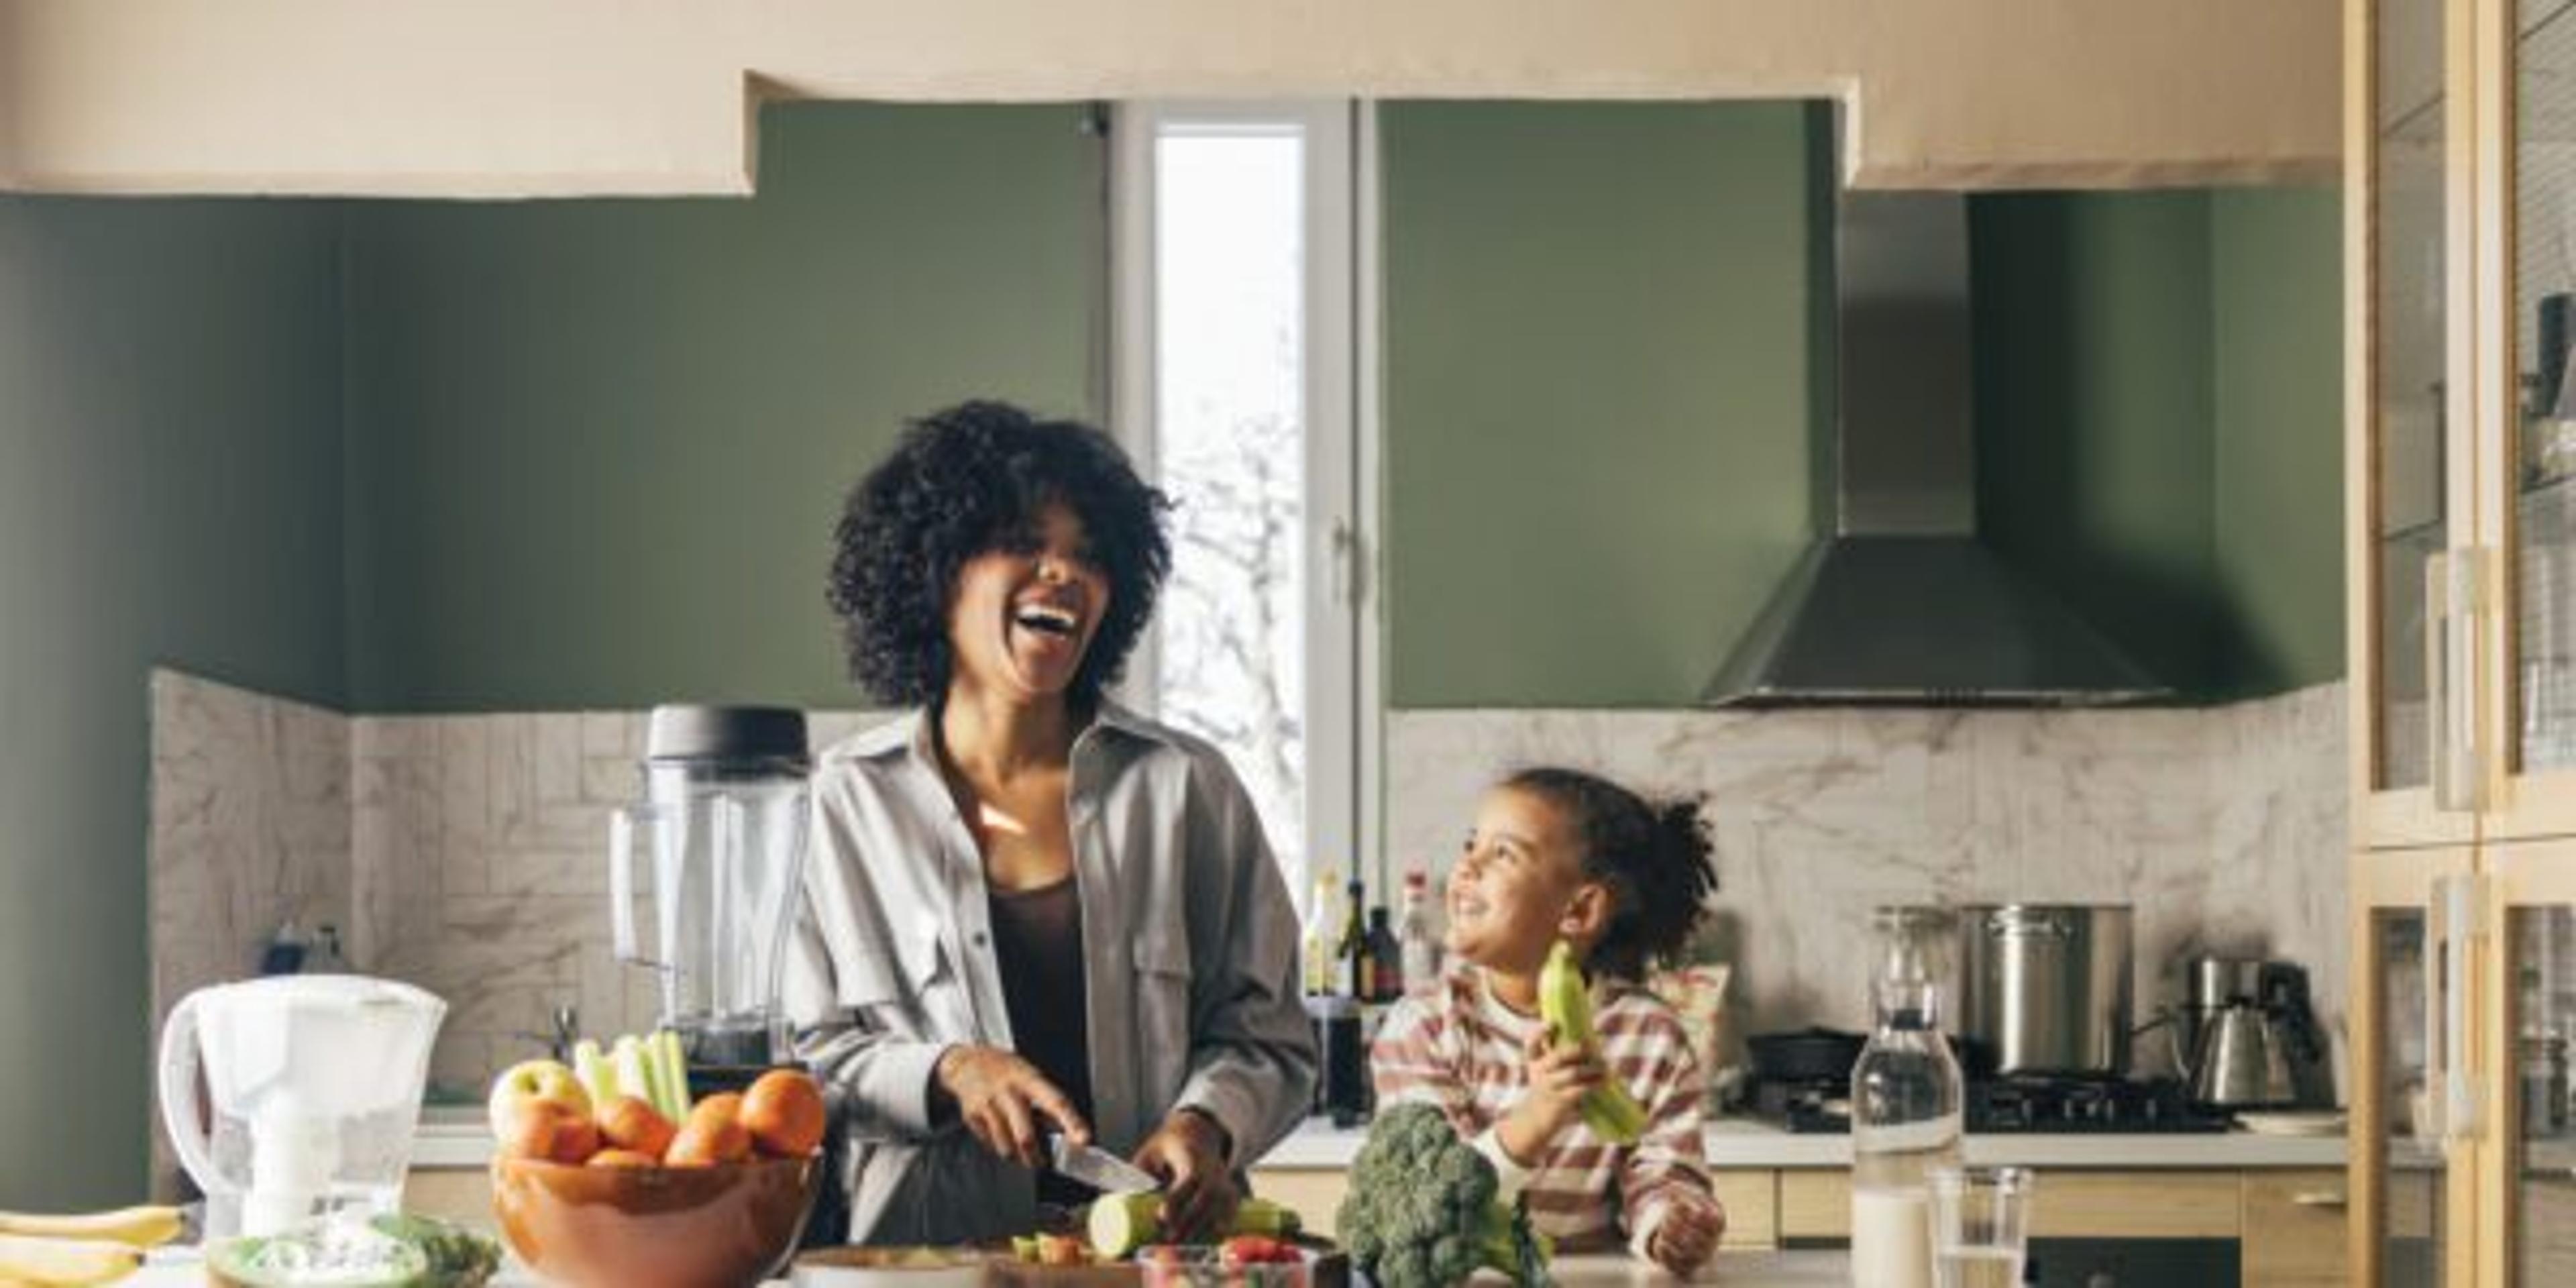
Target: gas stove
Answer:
[[2018, 1105]]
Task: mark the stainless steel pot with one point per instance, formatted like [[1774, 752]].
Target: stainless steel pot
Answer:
[[2046, 988]]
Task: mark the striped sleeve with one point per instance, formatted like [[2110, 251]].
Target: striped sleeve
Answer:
[[1410, 1062], [1649, 1051]]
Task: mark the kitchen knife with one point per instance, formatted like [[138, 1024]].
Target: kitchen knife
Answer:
[[1097, 1167]]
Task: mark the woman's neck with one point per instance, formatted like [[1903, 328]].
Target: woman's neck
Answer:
[[990, 738]]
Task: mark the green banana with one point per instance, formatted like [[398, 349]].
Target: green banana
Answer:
[[1565, 1003]]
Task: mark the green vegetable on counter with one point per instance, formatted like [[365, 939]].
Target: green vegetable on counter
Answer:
[[1421, 1211], [1121, 1223]]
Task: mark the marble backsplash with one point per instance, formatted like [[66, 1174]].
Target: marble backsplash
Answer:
[[467, 853], [2225, 827]]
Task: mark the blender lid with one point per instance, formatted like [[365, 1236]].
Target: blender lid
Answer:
[[681, 733]]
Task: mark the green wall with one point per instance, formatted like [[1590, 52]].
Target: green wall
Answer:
[[2276, 270], [598, 447], [169, 493], [1600, 389], [1602, 327]]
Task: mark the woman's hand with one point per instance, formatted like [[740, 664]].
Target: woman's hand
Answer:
[[1000, 1097], [1187, 1153], [1686, 1237], [1559, 1075]]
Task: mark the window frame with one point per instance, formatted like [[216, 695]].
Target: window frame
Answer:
[[1343, 627]]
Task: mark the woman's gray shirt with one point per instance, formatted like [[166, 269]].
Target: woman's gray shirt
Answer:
[[1189, 961]]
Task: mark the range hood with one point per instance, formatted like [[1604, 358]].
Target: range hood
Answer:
[[1899, 604]]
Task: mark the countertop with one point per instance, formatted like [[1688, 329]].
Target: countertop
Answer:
[[179, 1269], [456, 1137]]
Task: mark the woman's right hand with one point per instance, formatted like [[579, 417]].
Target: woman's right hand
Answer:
[[1000, 1097]]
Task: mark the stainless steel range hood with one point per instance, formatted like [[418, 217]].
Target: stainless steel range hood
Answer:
[[1899, 603]]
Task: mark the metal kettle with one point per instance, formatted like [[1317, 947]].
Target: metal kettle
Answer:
[[2252, 1039]]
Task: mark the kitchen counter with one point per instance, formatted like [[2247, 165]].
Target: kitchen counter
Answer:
[[179, 1269], [1745, 1142], [456, 1137]]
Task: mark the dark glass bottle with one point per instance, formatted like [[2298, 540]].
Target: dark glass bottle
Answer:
[[1386, 957], [1358, 973]]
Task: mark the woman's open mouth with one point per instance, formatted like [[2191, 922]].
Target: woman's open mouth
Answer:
[[1047, 619]]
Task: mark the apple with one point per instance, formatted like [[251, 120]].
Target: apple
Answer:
[[784, 1113], [546, 1130], [713, 1135], [629, 1124], [533, 1082]]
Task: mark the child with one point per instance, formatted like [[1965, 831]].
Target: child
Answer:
[[1560, 854]]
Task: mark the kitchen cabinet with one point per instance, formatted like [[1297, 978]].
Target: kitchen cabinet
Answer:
[[2460, 258], [2288, 1221]]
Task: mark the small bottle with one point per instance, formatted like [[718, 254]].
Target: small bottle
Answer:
[[1353, 952], [1417, 940], [1386, 959], [285, 950], [1319, 940]]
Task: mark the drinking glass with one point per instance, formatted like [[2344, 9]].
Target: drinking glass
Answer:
[[1980, 1226]]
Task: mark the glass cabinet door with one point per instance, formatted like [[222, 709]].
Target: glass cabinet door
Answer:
[[2412, 407], [2530, 509], [2534, 1164], [2414, 1150]]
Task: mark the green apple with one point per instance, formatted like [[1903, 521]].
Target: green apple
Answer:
[[534, 1082]]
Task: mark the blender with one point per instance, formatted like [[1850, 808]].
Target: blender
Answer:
[[721, 832], [311, 1095]]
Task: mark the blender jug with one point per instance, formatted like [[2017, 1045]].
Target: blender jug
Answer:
[[721, 830], [312, 1084]]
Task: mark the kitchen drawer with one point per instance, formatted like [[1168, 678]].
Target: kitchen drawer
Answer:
[[1816, 1204], [2294, 1229], [1752, 1200], [1314, 1194]]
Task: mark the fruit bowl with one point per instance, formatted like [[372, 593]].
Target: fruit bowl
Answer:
[[726, 1226]]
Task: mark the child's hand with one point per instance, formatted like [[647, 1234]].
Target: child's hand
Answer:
[[1560, 1073], [1686, 1237]]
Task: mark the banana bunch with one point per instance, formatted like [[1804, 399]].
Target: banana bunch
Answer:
[[1565, 1003], [80, 1250]]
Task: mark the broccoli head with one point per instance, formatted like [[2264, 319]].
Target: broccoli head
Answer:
[[1421, 1210]]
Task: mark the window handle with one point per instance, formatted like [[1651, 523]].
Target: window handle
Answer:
[[1344, 557]]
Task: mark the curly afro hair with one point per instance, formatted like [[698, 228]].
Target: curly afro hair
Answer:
[[971, 479], [1655, 858]]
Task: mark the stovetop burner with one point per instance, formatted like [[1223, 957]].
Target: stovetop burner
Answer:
[[2101, 1106]]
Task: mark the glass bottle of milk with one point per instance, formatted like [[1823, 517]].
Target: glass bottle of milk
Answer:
[[1905, 1121]]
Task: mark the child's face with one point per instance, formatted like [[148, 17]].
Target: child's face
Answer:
[[1512, 892]]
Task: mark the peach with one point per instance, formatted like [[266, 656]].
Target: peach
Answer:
[[784, 1113], [549, 1131], [622, 1158], [713, 1135], [626, 1123]]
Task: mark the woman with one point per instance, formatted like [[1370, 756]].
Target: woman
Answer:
[[1028, 911]]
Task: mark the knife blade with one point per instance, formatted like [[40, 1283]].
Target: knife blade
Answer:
[[1097, 1167]]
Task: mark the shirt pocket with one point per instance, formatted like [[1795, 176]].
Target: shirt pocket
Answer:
[[904, 990], [1162, 961]]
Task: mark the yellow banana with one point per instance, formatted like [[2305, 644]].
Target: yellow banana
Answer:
[[1565, 1003], [65, 1263], [141, 1227]]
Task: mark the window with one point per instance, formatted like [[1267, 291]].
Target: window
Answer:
[[1237, 279]]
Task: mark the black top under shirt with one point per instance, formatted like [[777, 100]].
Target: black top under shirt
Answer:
[[1037, 940]]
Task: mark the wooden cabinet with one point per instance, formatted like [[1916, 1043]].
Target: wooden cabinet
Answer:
[[2460, 259], [2290, 1222]]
